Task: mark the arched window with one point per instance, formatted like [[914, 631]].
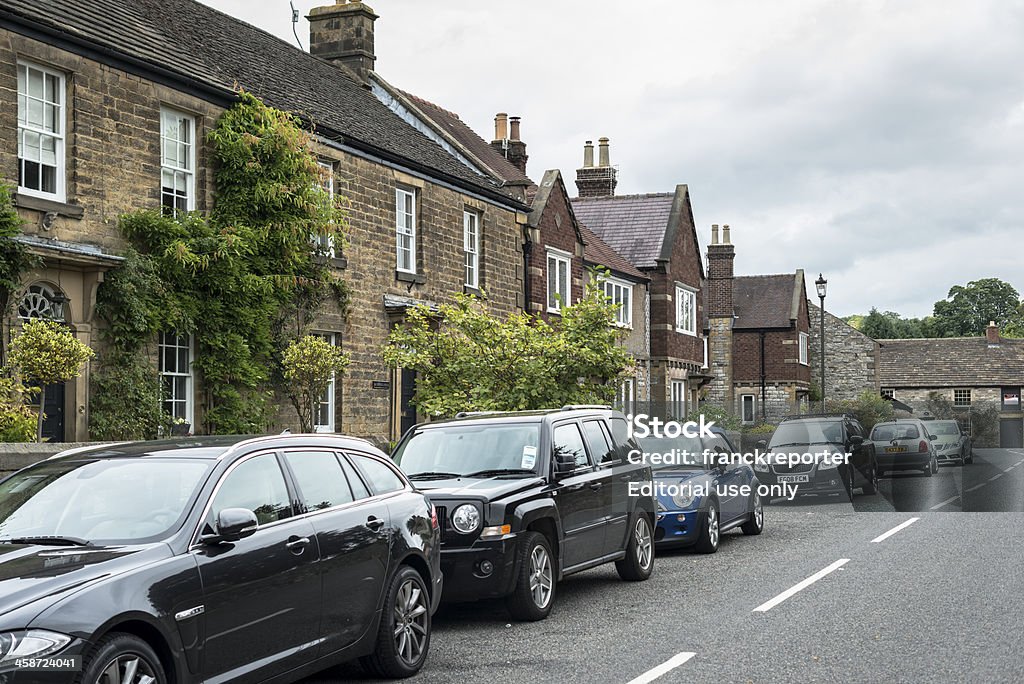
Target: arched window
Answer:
[[42, 301]]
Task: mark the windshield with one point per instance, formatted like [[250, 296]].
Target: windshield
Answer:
[[890, 431], [459, 450], [673, 453], [111, 501], [800, 432], [945, 427]]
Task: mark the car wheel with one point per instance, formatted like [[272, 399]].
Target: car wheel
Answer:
[[123, 659], [970, 457], [639, 561], [755, 525], [710, 533], [871, 485], [403, 637], [935, 465], [534, 594]]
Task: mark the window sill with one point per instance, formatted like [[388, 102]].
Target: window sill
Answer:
[[336, 262], [48, 206], [557, 312], [470, 290], [405, 277], [686, 332]]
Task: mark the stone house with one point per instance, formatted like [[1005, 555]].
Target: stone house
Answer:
[[973, 373], [105, 106], [758, 338], [851, 357], [656, 234]]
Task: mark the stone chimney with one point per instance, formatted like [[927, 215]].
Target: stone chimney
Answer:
[[600, 180], [721, 256], [507, 142], [992, 333], [342, 33]]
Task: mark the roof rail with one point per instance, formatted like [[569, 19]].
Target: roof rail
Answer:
[[575, 407], [467, 414], [819, 415]]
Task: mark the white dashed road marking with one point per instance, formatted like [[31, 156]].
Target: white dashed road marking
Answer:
[[894, 530], [977, 486], [768, 605], [995, 477], [947, 501], [666, 667]]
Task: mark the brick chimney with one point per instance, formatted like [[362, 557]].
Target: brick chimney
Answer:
[[600, 180], [721, 256], [342, 33], [507, 141], [992, 333]]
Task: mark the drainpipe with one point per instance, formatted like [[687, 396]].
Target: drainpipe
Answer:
[[527, 290], [764, 389]]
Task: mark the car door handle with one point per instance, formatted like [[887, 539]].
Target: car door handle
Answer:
[[597, 486], [574, 487], [374, 523], [296, 543]]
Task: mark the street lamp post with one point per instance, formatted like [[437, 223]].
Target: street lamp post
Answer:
[[821, 284]]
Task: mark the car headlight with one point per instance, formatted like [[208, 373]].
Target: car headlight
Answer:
[[685, 497], [32, 643], [760, 466], [466, 518], [830, 461]]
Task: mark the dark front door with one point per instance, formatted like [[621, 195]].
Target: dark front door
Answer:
[[1011, 433], [53, 408], [407, 411]]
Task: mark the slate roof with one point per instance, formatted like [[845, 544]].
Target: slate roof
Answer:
[[473, 143], [951, 362], [766, 301], [198, 44], [632, 225], [596, 251]]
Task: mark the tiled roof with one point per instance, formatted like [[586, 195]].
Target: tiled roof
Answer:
[[200, 44], [632, 225], [469, 139], [765, 301], [596, 251], [951, 362]]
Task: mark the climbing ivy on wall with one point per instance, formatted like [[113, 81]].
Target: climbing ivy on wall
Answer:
[[15, 259], [244, 280]]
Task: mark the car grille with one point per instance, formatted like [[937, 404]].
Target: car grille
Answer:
[[442, 519], [786, 469]]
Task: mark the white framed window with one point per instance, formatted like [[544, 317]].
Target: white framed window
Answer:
[[41, 117], [323, 417], [678, 402], [961, 397], [706, 359], [888, 393], [175, 367], [627, 396], [325, 243], [686, 310], [620, 292], [559, 279], [177, 161], [747, 406], [405, 229], [471, 246], [804, 340]]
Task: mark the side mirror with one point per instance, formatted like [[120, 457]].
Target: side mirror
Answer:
[[856, 440], [761, 443], [933, 437], [565, 463], [234, 524]]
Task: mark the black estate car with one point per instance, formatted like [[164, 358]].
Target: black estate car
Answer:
[[814, 440], [527, 498], [214, 560]]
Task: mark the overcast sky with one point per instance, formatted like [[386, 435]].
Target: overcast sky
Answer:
[[881, 143]]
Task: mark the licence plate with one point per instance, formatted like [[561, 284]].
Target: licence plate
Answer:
[[794, 478], [895, 450]]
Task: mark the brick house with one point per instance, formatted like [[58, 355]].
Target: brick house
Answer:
[[656, 234], [970, 372], [758, 338], [851, 357], [105, 105]]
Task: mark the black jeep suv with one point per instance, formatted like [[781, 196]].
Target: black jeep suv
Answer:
[[801, 452], [527, 498]]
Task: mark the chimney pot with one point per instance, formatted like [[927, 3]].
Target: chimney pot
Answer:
[[714, 233], [588, 155], [603, 156], [514, 125], [501, 126], [992, 333], [725, 235]]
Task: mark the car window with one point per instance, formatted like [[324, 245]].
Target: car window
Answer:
[[597, 439], [359, 490], [381, 478], [946, 428], [568, 440], [258, 485], [720, 445], [320, 479], [890, 431]]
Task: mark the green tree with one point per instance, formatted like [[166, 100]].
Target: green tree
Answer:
[[309, 365], [967, 309], [939, 406], [46, 352], [869, 408], [889, 325], [468, 359]]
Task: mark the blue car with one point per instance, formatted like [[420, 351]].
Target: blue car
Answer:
[[698, 500]]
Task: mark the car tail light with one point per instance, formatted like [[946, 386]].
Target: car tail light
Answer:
[[922, 447], [433, 517]]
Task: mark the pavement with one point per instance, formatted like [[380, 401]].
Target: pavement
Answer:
[[917, 584]]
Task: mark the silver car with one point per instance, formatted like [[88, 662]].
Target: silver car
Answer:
[[952, 446], [905, 444]]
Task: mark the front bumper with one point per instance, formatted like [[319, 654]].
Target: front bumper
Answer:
[[950, 454], [487, 569], [678, 528]]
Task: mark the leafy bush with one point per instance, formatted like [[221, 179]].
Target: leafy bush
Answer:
[[869, 408], [760, 429], [126, 402], [714, 412], [17, 421], [985, 423], [939, 406]]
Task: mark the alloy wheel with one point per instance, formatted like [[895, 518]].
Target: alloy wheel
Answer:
[[541, 576], [644, 546], [758, 511], [410, 622], [127, 668], [713, 526]]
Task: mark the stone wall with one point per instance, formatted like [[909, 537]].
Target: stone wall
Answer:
[[851, 357]]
